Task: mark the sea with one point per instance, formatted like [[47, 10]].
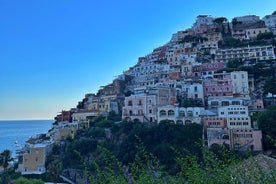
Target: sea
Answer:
[[14, 134]]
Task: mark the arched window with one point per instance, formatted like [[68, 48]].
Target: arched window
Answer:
[[162, 113], [171, 112], [181, 113], [190, 113], [179, 122], [188, 122]]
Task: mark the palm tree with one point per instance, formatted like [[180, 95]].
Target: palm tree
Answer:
[[5, 158]]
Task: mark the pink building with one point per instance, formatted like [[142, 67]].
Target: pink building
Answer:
[[208, 69], [220, 85], [214, 122], [144, 103], [246, 139]]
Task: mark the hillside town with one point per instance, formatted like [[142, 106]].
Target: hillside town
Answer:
[[206, 74]]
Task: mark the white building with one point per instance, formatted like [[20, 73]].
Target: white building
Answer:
[[233, 111], [240, 83], [248, 19], [190, 90], [265, 52], [180, 115], [270, 21]]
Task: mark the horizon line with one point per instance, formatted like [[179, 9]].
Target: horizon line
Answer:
[[26, 119]]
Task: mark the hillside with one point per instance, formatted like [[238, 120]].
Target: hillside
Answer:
[[198, 109]]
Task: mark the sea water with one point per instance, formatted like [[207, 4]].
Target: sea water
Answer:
[[14, 134]]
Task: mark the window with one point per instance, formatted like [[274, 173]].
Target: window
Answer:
[[170, 112], [130, 103], [150, 111], [245, 123], [189, 113], [162, 113], [140, 112], [182, 113], [179, 122]]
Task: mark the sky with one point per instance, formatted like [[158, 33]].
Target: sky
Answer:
[[53, 52]]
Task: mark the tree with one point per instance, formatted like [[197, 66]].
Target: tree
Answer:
[[219, 21], [234, 63], [5, 158], [269, 86], [267, 123], [265, 36], [55, 169]]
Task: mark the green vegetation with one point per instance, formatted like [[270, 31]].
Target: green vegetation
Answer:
[[5, 158], [234, 63], [269, 86], [22, 180], [135, 152], [265, 36], [267, 123]]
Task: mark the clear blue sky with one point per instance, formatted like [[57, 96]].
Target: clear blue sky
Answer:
[[52, 52]]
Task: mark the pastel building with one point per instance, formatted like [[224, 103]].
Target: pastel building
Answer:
[[32, 158], [240, 83], [214, 122], [270, 22], [218, 136], [216, 102], [239, 122], [190, 90], [258, 53], [186, 70], [233, 111], [246, 139], [143, 104], [220, 85], [180, 115], [208, 69], [63, 130], [248, 19], [254, 32], [82, 117]]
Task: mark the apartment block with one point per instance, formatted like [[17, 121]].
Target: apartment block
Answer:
[[220, 85], [257, 53], [180, 115], [240, 83], [32, 158], [143, 104]]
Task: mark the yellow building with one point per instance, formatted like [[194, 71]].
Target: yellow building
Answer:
[[32, 158]]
